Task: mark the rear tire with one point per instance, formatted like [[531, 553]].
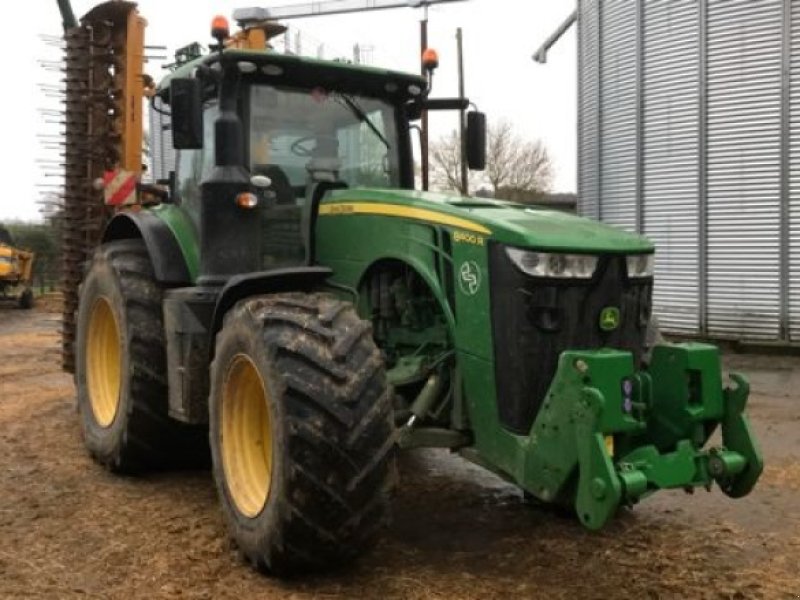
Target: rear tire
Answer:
[[308, 489], [121, 367]]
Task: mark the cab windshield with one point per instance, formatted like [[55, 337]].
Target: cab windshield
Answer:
[[300, 137]]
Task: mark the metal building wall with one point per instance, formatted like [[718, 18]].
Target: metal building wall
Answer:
[[589, 108], [618, 108], [744, 167], [670, 149], [690, 134], [792, 206]]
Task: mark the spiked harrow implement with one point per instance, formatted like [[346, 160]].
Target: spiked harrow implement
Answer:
[[103, 107]]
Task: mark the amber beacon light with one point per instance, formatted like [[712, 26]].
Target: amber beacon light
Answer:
[[220, 28], [430, 59]]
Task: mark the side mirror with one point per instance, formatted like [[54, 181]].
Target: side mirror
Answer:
[[476, 141], [186, 103]]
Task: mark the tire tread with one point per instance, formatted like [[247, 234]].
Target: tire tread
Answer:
[[151, 439], [333, 384]]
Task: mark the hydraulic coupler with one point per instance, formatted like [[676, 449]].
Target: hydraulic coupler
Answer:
[[608, 436]]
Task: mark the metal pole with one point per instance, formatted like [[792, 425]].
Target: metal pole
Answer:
[[67, 16], [462, 114], [340, 7], [540, 56], [424, 136]]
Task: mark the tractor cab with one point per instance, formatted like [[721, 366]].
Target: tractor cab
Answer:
[[300, 127]]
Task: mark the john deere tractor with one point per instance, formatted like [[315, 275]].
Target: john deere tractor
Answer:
[[289, 294]]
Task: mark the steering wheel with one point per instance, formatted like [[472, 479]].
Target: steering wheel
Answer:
[[299, 147]]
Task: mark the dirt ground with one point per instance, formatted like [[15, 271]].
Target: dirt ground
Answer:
[[70, 529]]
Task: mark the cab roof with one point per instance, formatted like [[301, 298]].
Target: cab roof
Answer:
[[302, 71]]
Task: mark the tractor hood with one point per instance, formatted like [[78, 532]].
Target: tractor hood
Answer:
[[521, 225]]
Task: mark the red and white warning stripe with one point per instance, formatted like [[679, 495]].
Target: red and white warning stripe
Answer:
[[119, 188]]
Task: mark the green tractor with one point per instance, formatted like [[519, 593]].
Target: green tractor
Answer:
[[293, 299]]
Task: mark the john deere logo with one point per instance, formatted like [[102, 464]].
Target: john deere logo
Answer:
[[469, 278], [609, 318]]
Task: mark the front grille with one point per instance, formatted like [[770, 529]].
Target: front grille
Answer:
[[535, 320]]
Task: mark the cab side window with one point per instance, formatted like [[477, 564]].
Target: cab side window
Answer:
[[195, 165]]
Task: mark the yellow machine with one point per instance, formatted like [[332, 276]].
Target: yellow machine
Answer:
[[16, 274]]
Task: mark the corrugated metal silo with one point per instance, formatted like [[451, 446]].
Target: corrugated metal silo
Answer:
[[689, 132]]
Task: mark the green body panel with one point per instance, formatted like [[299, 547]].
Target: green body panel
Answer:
[[352, 242], [658, 422], [348, 247], [511, 223], [185, 233]]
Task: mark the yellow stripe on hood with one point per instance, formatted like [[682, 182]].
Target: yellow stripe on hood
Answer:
[[405, 212]]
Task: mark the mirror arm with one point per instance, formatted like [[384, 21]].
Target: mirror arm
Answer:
[[415, 109]]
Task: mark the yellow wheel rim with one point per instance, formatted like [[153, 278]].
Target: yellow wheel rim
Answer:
[[103, 363], [246, 436]]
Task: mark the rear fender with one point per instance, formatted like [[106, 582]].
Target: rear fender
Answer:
[[170, 265]]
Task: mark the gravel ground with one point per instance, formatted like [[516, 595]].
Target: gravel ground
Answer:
[[70, 529]]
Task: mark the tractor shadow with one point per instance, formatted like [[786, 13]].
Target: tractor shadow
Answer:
[[456, 518], [446, 505]]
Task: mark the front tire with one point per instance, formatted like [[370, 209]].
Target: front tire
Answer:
[[301, 435], [121, 367]]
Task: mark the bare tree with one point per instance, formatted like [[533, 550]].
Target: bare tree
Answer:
[[516, 169], [446, 164], [516, 166]]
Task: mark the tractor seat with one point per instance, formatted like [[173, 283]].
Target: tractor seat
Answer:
[[281, 186]]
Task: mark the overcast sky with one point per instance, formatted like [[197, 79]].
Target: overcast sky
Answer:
[[499, 38]]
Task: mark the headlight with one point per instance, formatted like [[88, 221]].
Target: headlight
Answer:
[[545, 264], [641, 265]]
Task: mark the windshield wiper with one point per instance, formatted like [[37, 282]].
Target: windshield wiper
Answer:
[[362, 116]]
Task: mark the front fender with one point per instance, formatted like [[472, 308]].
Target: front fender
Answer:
[[299, 279], [425, 273]]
